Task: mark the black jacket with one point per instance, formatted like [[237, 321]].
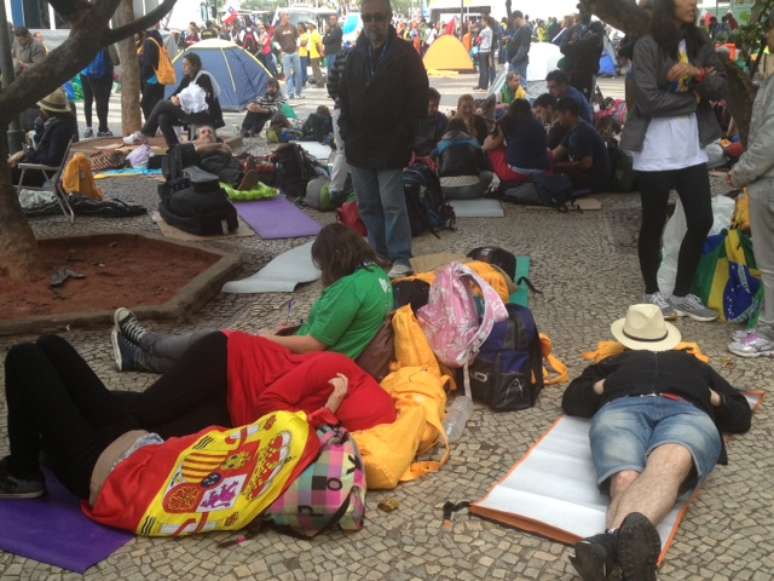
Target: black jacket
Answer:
[[214, 112], [332, 40], [381, 102], [52, 138], [459, 154], [149, 59], [644, 372], [518, 49]]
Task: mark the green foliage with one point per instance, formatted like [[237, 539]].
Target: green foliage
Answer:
[[751, 37]]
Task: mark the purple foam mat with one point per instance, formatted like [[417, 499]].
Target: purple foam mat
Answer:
[[53, 530], [277, 218]]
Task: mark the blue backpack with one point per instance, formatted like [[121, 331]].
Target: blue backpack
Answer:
[[507, 374]]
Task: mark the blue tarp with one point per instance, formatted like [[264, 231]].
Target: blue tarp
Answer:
[[242, 78], [607, 66]]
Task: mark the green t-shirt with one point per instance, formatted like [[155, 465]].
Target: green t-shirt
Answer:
[[351, 311]]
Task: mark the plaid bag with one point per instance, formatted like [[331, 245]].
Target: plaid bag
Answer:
[[330, 491], [103, 160]]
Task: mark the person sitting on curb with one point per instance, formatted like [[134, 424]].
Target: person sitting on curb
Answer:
[[544, 108], [263, 109], [462, 166], [512, 89], [356, 298], [657, 418], [430, 129], [195, 101]]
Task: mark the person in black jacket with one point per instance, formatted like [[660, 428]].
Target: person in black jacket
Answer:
[[383, 93], [195, 101], [518, 48], [463, 168], [54, 129], [332, 42], [152, 90], [657, 417]]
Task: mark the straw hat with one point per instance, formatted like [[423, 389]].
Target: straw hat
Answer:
[[644, 329], [56, 102]]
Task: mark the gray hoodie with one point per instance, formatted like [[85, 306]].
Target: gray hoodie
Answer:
[[757, 162]]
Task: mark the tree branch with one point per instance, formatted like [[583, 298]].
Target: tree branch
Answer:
[[67, 8], [140, 24]]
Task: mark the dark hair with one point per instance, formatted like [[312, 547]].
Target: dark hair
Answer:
[[433, 95], [339, 251], [520, 109], [668, 33], [194, 60], [517, 14], [272, 82], [545, 100], [568, 105], [457, 124], [557, 76], [21, 31]]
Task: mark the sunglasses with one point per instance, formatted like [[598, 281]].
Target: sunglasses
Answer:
[[375, 17]]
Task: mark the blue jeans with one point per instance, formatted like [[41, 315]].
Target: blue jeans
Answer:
[[330, 59], [520, 69], [304, 69], [291, 66], [382, 205], [626, 430]]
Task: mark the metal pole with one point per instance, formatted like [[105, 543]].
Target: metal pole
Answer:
[[14, 133]]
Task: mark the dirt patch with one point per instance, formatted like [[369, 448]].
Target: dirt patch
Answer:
[[120, 270]]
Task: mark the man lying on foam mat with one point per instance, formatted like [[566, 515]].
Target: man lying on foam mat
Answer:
[[657, 417]]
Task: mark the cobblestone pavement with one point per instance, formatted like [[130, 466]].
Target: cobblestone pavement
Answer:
[[588, 276]]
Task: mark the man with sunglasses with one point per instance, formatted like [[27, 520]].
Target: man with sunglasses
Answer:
[[383, 92]]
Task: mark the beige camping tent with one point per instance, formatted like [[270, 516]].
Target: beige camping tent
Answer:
[[448, 54]]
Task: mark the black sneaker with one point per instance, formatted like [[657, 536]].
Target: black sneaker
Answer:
[[12, 487], [638, 548], [125, 353], [126, 323], [595, 558], [106, 133]]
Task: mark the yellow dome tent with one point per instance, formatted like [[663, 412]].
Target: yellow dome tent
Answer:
[[448, 54]]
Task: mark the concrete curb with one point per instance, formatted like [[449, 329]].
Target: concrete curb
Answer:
[[191, 297]]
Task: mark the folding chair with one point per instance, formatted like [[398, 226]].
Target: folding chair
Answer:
[[53, 175]]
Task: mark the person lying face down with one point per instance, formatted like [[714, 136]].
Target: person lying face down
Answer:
[[130, 478], [657, 417], [356, 298]]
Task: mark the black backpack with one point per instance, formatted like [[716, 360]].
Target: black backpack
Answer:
[[507, 373], [295, 168], [497, 256], [425, 202], [192, 199], [411, 292]]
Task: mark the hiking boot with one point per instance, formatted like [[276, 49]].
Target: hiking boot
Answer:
[[106, 133], [89, 133], [690, 306], [126, 323], [399, 270], [754, 344], [11, 486], [136, 138], [662, 303], [638, 548], [595, 558]]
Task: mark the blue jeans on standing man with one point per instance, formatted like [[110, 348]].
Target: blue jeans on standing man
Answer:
[[382, 205], [330, 59], [291, 66]]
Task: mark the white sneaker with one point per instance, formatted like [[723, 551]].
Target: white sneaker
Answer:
[[662, 303], [690, 306], [399, 270], [753, 345], [136, 138]]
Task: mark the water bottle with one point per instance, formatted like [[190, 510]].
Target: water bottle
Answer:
[[457, 416]]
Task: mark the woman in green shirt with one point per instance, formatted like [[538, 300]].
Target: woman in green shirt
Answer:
[[356, 298]]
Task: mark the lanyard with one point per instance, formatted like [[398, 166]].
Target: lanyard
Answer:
[[372, 68]]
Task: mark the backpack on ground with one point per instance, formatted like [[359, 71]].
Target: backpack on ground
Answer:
[[411, 292], [330, 492], [425, 202], [507, 374], [294, 169], [499, 257], [192, 199]]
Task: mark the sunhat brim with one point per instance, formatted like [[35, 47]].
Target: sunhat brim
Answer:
[[672, 339]]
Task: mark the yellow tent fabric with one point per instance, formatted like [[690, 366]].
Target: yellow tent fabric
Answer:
[[448, 54]]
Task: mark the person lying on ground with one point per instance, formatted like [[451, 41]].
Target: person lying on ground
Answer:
[[55, 128], [512, 89], [582, 156], [356, 298], [755, 169], [262, 110], [430, 129], [559, 86], [209, 153], [657, 417], [544, 108], [194, 102], [130, 477], [462, 166], [524, 138]]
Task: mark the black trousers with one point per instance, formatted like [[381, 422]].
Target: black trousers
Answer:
[[166, 115], [254, 122], [483, 70], [151, 95], [693, 187], [97, 89], [585, 83], [58, 405]]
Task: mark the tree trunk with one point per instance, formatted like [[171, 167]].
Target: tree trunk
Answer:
[[18, 247], [131, 119]]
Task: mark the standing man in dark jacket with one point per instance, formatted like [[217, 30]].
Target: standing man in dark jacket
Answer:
[[383, 94], [657, 417], [332, 42], [518, 50]]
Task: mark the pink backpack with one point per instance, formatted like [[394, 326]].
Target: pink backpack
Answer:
[[450, 318]]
